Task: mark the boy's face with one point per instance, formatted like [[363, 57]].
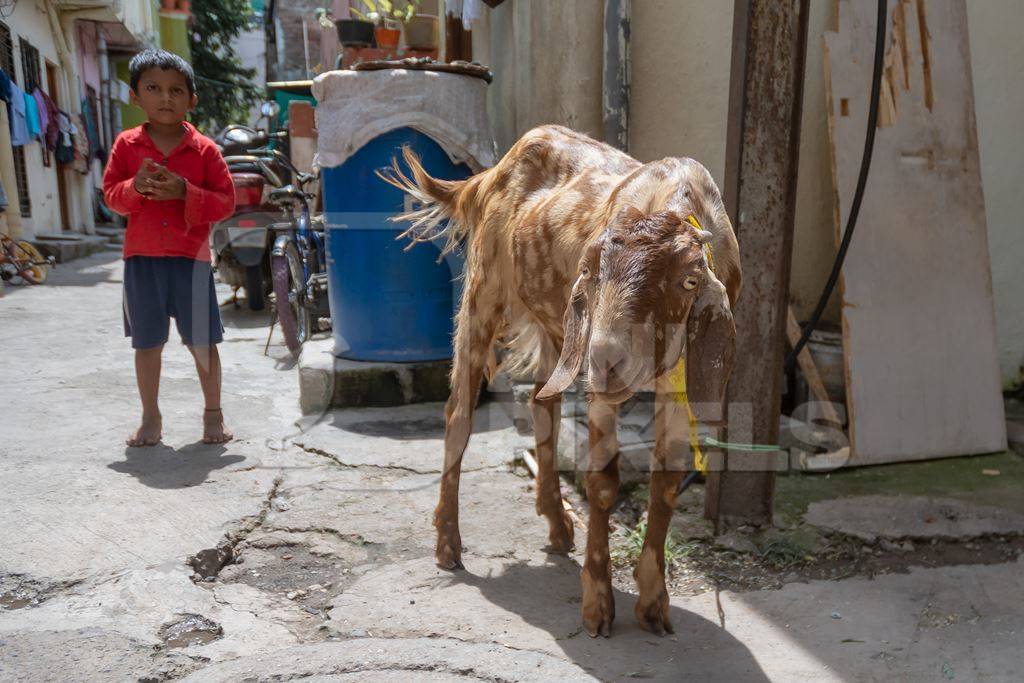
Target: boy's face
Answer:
[[163, 95]]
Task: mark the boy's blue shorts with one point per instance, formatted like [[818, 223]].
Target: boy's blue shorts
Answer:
[[158, 288]]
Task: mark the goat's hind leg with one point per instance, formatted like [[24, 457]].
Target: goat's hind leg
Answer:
[[475, 328]]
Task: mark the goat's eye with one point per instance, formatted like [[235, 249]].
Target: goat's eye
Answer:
[[690, 282]]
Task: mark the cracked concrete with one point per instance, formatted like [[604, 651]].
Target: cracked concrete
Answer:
[[330, 573]]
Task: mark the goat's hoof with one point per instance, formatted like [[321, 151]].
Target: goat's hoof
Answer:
[[561, 534], [652, 615], [449, 554], [598, 606]]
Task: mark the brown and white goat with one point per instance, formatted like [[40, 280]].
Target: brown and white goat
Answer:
[[577, 253]]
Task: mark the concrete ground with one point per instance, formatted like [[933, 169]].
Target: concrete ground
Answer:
[[326, 530]]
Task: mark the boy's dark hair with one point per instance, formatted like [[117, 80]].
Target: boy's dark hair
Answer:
[[160, 59]]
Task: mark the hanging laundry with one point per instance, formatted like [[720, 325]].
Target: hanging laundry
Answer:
[[19, 117], [469, 10], [32, 116], [90, 128], [81, 144], [51, 129], [5, 87], [64, 151], [44, 115]]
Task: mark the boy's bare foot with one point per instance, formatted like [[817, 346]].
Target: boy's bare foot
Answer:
[[214, 429], [148, 433]]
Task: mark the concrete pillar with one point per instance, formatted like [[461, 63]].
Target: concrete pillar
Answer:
[[7, 177], [106, 134]]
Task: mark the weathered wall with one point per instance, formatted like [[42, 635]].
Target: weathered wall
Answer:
[[997, 57], [814, 236], [547, 63], [680, 74]]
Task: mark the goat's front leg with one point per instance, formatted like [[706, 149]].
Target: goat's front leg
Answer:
[[671, 454], [602, 489], [476, 323], [546, 421]]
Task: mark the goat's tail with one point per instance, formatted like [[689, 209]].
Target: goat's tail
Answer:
[[439, 201]]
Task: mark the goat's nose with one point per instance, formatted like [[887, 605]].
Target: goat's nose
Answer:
[[609, 357]]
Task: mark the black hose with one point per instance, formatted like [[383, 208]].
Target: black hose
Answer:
[[858, 195]]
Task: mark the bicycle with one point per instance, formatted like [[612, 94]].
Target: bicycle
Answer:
[[21, 263], [298, 266]]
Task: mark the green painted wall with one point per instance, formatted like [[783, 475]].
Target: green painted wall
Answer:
[[174, 38], [174, 35]]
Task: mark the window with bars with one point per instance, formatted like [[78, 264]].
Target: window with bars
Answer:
[[30, 66], [20, 173]]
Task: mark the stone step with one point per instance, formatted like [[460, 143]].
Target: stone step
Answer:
[[69, 247], [113, 233], [327, 382]]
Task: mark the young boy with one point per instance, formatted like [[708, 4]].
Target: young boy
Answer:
[[171, 182]]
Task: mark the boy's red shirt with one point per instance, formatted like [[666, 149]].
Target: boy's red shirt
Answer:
[[170, 227]]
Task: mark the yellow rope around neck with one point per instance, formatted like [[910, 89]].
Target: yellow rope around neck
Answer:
[[677, 378]]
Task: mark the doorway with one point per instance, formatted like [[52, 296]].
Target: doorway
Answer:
[[58, 168]]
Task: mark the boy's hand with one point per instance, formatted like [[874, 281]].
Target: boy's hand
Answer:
[[148, 170], [164, 184]]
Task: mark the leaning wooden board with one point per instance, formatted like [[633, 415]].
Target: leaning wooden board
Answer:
[[918, 322]]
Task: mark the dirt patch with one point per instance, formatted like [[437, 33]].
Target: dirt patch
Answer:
[[309, 568], [753, 559]]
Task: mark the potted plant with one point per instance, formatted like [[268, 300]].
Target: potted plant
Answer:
[[352, 32], [421, 32], [387, 19]]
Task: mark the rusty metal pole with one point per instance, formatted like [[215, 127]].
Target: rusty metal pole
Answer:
[[762, 152]]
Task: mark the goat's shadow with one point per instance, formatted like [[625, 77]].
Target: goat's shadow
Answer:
[[547, 597], [164, 467]]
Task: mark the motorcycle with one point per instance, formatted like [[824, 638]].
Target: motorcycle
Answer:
[[240, 243]]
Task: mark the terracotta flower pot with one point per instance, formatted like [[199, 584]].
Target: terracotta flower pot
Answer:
[[169, 4], [421, 32], [387, 38], [185, 5]]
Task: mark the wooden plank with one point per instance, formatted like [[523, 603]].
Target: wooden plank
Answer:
[[918, 322], [810, 371], [764, 141]]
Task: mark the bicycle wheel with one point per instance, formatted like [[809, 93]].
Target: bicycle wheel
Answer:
[[290, 297], [27, 257]]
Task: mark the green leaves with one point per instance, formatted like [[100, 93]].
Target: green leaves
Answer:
[[378, 11], [225, 88]]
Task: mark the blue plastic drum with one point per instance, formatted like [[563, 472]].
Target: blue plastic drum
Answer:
[[387, 304]]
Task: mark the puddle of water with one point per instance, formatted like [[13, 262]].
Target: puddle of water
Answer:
[[191, 629], [16, 600]]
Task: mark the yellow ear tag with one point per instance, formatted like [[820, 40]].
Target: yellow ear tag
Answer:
[[692, 220], [677, 380]]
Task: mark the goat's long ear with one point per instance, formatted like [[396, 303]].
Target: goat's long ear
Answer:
[[710, 345], [577, 331]]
